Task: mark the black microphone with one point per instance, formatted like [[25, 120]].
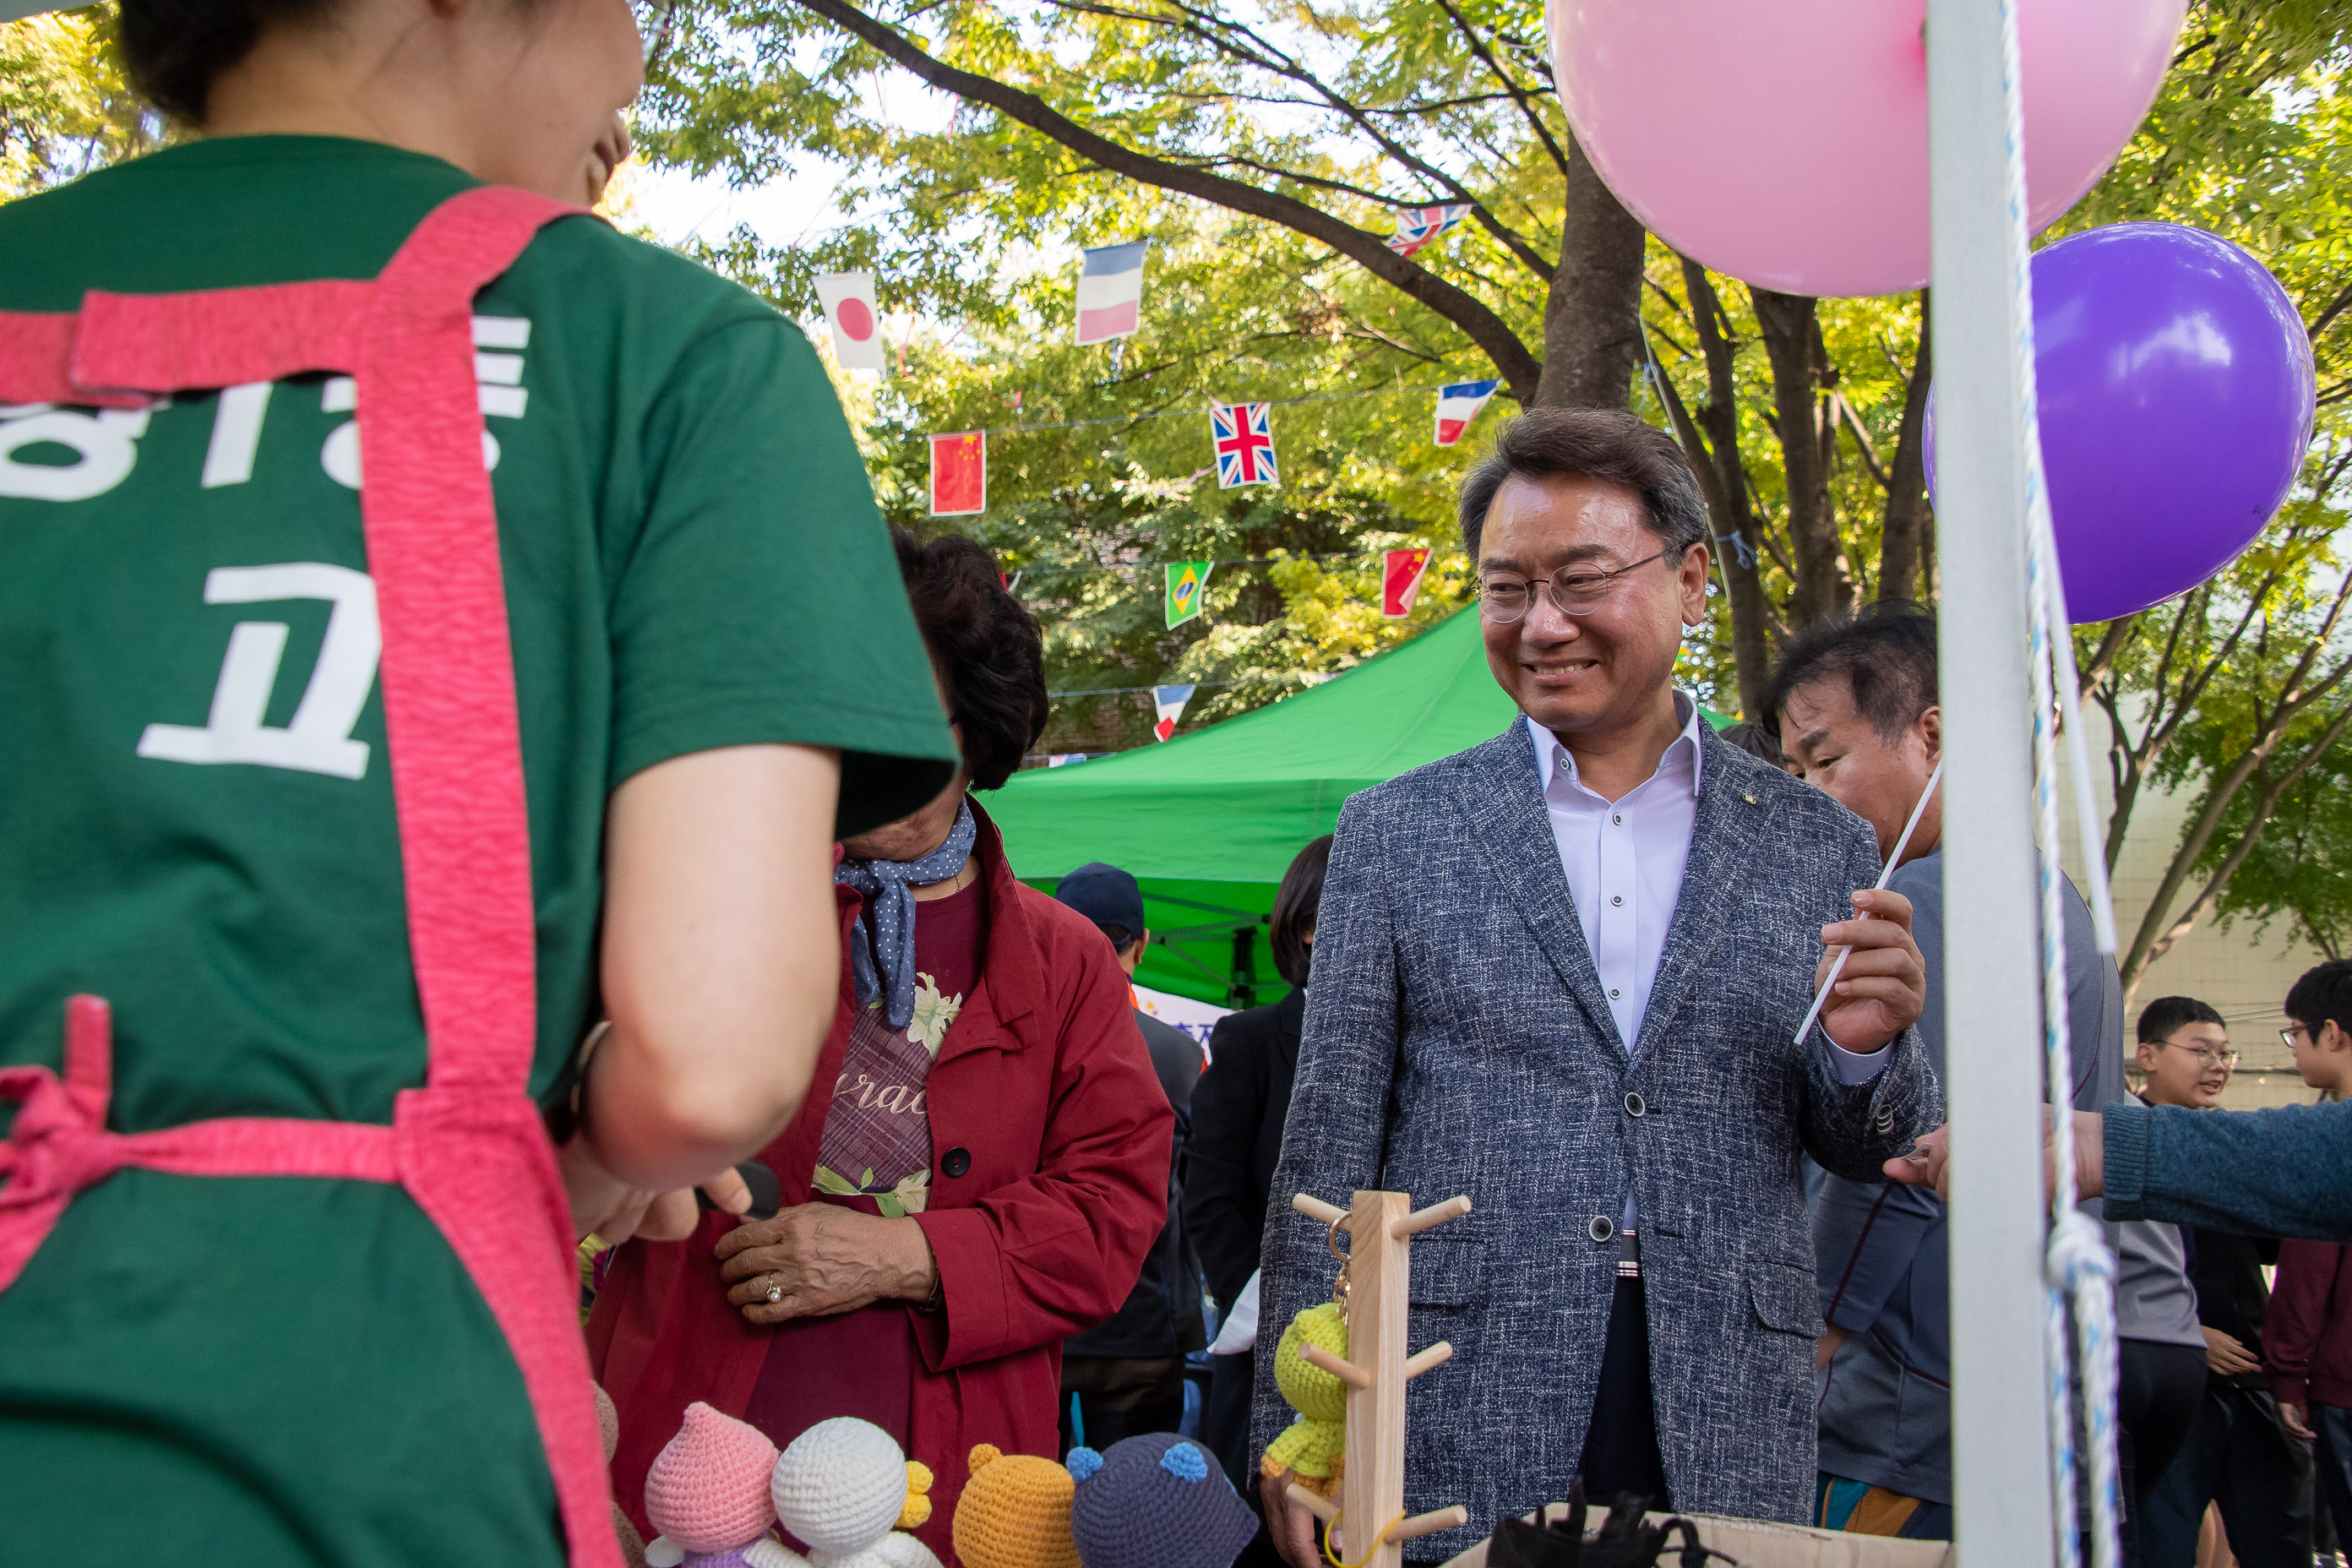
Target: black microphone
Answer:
[[767, 1191]]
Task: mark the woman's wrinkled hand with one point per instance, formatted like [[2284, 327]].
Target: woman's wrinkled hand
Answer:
[[817, 1259]]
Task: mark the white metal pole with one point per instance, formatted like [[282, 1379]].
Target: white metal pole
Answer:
[[1992, 962]]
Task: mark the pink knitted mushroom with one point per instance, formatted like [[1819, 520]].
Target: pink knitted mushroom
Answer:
[[708, 1491]]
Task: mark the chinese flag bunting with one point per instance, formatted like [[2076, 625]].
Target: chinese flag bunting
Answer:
[[1401, 574], [959, 474]]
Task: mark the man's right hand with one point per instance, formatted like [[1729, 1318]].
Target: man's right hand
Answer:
[[2226, 1356], [1292, 1527]]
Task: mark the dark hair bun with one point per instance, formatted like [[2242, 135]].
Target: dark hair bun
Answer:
[[174, 49], [989, 652]]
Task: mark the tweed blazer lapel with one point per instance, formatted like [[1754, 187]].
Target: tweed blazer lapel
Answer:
[[1722, 857], [1502, 796]]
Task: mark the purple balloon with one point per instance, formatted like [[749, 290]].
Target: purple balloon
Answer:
[[2177, 397]]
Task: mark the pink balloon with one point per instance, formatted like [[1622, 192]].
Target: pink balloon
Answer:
[[1785, 142]]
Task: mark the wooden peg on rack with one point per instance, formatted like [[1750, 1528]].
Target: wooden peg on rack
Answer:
[[1315, 1208], [1347, 1372], [1421, 1361], [1435, 1214]]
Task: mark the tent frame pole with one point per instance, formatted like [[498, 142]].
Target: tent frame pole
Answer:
[[1992, 961]]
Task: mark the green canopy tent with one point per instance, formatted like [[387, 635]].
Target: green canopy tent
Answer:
[[1209, 822]]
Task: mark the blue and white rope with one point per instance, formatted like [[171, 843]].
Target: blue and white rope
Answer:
[[2079, 1270]]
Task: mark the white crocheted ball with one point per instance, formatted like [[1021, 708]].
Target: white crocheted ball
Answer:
[[841, 1485]]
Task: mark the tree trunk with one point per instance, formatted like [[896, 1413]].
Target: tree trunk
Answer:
[[1800, 372], [2145, 950], [1593, 334], [1908, 515], [1724, 476]]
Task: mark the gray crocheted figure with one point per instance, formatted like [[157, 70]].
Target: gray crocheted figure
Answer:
[[1156, 1502]]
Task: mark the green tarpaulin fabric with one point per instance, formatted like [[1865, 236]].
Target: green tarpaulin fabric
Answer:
[[1209, 822]]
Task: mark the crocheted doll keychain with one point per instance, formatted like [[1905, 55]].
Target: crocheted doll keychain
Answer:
[[1156, 1502], [1015, 1512], [843, 1488], [1310, 1448], [707, 1494]]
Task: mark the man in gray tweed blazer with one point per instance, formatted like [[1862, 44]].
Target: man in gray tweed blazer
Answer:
[[1563, 972]]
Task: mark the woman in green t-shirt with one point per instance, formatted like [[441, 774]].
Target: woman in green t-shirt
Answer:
[[286, 728]]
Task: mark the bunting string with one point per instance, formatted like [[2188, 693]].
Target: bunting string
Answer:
[[1185, 413]]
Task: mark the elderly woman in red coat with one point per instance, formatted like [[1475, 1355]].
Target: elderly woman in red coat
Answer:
[[992, 1165]]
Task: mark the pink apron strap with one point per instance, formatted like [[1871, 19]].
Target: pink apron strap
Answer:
[[60, 1146], [457, 774], [469, 1147], [35, 347], [219, 337]]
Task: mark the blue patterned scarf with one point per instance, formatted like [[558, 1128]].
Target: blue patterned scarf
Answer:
[[882, 943]]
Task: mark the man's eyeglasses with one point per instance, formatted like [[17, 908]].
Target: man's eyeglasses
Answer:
[[1577, 591], [2207, 1059], [2288, 1035]]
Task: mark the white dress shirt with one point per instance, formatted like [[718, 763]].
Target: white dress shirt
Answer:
[[1624, 860]]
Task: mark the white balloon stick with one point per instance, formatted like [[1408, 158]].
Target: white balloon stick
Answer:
[[1892, 860]]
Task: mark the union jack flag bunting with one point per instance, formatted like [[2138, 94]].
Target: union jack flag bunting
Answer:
[[1420, 226], [1243, 434]]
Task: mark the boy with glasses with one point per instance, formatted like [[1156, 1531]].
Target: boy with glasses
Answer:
[[2241, 1454], [2309, 1352]]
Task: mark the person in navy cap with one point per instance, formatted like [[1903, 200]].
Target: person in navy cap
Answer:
[[1126, 1375]]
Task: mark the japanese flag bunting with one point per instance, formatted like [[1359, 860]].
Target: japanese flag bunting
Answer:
[[848, 300]]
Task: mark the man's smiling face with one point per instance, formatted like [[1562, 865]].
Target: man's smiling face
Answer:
[[1609, 668]]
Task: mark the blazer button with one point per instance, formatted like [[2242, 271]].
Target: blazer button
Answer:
[[1636, 1106], [955, 1161], [1603, 1228]]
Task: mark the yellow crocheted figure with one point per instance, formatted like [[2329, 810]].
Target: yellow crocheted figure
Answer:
[[1310, 1445], [1015, 1512]]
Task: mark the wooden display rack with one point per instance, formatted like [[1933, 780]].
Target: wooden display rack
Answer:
[[1380, 1227]]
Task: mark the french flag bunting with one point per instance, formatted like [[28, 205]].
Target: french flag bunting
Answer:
[[1420, 226], [1401, 574], [1243, 434], [1458, 404], [1110, 292], [959, 476], [1168, 700]]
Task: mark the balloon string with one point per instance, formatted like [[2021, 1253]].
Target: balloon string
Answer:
[[1369, 1551]]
